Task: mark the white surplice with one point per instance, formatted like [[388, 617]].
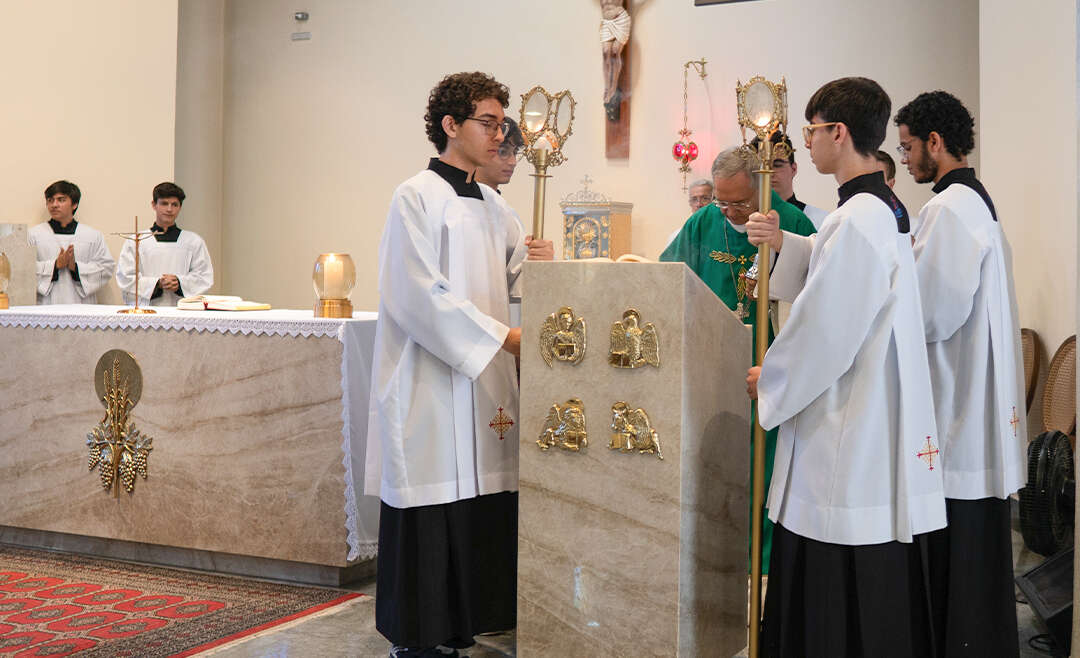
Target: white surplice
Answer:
[[964, 266], [187, 259], [815, 215], [444, 420], [92, 258], [848, 383]]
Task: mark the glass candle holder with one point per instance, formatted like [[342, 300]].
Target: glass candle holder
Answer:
[[334, 277]]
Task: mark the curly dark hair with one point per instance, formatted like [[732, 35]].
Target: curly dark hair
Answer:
[[944, 114], [457, 95], [858, 103]]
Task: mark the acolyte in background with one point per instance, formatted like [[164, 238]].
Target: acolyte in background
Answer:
[[334, 277], [547, 121]]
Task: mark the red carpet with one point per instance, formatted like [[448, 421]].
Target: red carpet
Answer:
[[58, 604]]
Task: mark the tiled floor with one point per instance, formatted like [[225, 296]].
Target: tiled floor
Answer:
[[351, 631]]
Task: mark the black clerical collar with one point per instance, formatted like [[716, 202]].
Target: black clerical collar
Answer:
[[63, 230], [874, 183], [171, 234], [457, 179], [795, 202], [966, 176]]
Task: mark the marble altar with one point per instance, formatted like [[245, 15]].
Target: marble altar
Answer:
[[258, 420]]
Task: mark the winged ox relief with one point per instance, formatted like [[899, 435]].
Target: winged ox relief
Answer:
[[633, 345], [562, 337]]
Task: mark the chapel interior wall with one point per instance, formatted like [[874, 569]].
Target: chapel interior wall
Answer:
[[90, 96], [318, 133]]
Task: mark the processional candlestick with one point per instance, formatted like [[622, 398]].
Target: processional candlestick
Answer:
[[546, 123], [762, 108], [136, 237]]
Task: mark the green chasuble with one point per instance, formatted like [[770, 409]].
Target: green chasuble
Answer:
[[719, 254]]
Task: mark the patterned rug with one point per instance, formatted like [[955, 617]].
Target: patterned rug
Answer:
[[57, 604]]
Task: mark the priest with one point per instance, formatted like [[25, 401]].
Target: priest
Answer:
[[964, 265], [173, 263], [857, 482], [73, 262], [713, 244], [443, 430]]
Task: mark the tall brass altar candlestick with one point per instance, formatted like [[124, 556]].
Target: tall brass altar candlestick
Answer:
[[546, 123], [136, 238], [763, 109]]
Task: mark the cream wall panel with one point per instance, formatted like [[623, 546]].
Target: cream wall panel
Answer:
[[90, 95], [318, 133]]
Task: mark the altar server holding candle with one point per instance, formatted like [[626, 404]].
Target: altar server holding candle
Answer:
[[174, 264]]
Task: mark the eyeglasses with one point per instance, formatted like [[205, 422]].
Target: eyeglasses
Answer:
[[509, 150], [701, 200], [808, 131], [736, 205], [491, 125], [904, 150]]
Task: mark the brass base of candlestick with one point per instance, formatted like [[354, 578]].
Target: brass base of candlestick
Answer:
[[333, 308], [4, 303], [140, 311]]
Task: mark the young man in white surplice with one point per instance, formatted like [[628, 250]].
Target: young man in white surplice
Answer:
[[173, 263], [73, 262], [856, 485]]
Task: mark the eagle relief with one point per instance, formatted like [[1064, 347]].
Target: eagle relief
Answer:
[[631, 430], [565, 427], [633, 345], [562, 337]]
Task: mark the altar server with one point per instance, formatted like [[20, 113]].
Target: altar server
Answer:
[[857, 480], [73, 262], [783, 179], [713, 244], [964, 265], [443, 430], [173, 263]]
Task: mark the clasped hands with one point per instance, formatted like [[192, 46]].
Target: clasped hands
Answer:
[[66, 258], [169, 282]]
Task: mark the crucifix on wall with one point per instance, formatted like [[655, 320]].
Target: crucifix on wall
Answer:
[[614, 37]]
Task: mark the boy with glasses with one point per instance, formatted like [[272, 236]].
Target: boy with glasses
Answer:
[[783, 179], [443, 430], [964, 265], [857, 481], [713, 244]]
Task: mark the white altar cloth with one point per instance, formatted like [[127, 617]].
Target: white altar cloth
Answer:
[[358, 339]]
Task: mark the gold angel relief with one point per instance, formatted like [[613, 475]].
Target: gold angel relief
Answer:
[[634, 346], [562, 337]]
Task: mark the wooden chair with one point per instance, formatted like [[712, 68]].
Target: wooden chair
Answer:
[[1059, 396], [1029, 344]]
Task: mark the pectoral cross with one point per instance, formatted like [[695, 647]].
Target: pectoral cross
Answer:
[[1015, 421]]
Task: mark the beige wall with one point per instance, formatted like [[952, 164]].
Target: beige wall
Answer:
[[318, 133], [89, 95], [199, 116]]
